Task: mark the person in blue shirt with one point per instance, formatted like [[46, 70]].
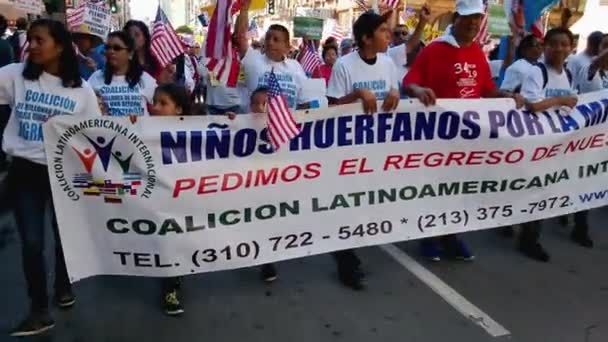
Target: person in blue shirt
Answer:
[[93, 60]]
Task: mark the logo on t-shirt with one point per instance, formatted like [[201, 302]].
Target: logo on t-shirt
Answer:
[[287, 84], [36, 108], [96, 158], [378, 87], [553, 92], [123, 100], [466, 74]]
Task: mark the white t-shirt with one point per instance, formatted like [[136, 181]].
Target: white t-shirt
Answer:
[[495, 67], [576, 63], [289, 73], [33, 103], [189, 72], [598, 81], [399, 57], [515, 75], [221, 96], [557, 85], [122, 100], [351, 72]]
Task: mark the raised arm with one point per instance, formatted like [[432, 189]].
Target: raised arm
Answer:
[[598, 62], [241, 28], [424, 17]]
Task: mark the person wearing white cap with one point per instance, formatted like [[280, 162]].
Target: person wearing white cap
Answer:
[[454, 66]]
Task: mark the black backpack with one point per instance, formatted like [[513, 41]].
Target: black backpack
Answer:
[[543, 69]]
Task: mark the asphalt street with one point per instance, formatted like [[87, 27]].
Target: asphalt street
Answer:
[[501, 296]]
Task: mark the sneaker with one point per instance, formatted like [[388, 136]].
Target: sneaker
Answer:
[[269, 273], [460, 251], [352, 278], [65, 299], [34, 324], [535, 251], [171, 303], [430, 250], [581, 237]]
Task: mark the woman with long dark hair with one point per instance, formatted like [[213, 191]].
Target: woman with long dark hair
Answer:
[[124, 86], [140, 34], [528, 52], [48, 84]]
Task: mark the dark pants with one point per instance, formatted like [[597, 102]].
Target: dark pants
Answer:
[[530, 233], [171, 284], [580, 223], [347, 260], [30, 194], [5, 112], [447, 241]]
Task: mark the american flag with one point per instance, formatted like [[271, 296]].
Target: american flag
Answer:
[[282, 126], [310, 58], [363, 5], [484, 33], [390, 3], [338, 33], [218, 36], [223, 59], [225, 70], [165, 44]]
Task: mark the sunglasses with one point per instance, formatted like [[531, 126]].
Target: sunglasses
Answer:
[[400, 33], [116, 48]]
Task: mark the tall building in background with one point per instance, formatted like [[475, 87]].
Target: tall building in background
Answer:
[[180, 12]]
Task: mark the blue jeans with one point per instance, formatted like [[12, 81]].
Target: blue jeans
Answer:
[[31, 192]]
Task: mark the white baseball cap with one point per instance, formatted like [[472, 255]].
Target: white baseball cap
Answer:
[[469, 7]]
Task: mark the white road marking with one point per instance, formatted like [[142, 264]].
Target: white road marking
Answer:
[[458, 302]]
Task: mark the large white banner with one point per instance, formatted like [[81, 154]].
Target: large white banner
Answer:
[[169, 196]]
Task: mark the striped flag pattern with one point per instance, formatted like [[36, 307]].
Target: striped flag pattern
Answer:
[[75, 16], [390, 3], [226, 70], [282, 126], [310, 58], [484, 33], [337, 33], [218, 36], [223, 59], [165, 44], [362, 5]]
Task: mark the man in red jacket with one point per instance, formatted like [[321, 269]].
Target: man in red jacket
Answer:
[[454, 67]]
